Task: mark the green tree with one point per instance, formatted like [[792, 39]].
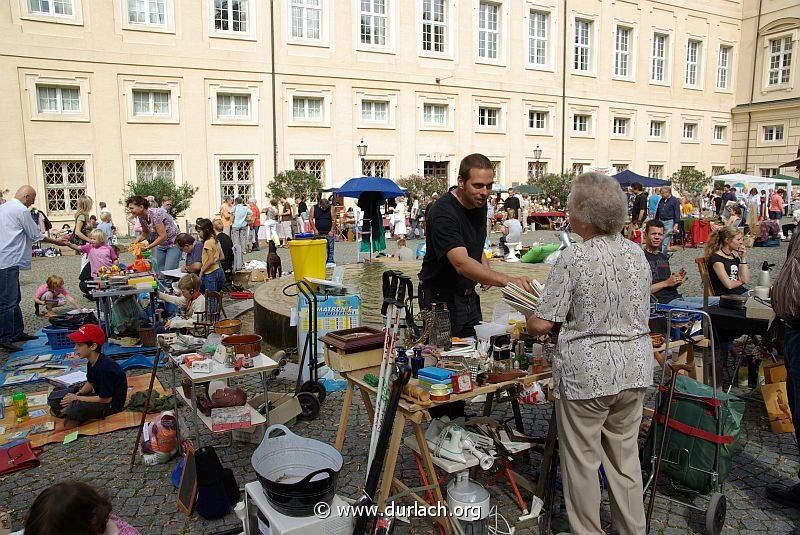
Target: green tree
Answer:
[[554, 184], [691, 181], [423, 186], [293, 184], [158, 187]]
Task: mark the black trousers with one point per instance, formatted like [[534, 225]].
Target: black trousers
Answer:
[[79, 411], [465, 310]]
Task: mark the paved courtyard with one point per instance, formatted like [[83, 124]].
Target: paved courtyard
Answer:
[[145, 497]]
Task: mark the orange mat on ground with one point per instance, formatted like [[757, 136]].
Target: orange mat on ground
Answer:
[[115, 422]]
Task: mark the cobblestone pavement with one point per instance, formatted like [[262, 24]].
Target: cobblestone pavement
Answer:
[[146, 499]]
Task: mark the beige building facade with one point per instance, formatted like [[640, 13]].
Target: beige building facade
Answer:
[[101, 92]]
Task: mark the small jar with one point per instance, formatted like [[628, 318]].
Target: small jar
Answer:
[[230, 357]]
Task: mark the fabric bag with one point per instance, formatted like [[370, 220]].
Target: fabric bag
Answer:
[[786, 288], [73, 321], [217, 489], [18, 455]]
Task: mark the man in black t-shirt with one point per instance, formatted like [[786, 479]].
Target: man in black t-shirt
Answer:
[[512, 201], [639, 209], [454, 262]]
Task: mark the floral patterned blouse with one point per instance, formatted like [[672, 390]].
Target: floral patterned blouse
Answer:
[[599, 292], [158, 216]]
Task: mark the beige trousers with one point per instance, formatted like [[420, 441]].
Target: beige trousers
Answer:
[[604, 430]]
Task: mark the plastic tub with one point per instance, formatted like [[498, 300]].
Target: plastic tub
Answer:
[[57, 338], [308, 258], [486, 330]]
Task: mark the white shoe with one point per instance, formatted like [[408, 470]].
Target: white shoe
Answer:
[[330, 264]]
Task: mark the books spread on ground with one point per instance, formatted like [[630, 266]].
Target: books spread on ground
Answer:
[[522, 300], [69, 379], [19, 378], [37, 400]]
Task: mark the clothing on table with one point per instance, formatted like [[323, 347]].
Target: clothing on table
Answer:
[[731, 266], [604, 345], [102, 256], [189, 309]]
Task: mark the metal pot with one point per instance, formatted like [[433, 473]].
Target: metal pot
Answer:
[[735, 302], [296, 472], [247, 344]]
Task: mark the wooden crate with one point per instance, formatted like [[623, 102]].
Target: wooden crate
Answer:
[[339, 361]]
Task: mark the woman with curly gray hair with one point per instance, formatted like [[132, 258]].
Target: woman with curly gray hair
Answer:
[[597, 299]]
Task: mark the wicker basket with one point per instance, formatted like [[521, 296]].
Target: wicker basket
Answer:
[[228, 326]]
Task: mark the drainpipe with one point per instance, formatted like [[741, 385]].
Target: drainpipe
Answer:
[[564, 88], [752, 88], [274, 110]]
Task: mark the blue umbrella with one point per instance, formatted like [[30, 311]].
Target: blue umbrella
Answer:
[[356, 186]]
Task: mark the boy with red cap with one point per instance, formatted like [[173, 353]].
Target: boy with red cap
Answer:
[[106, 386]]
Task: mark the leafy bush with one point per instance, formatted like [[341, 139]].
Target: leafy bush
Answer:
[[158, 187], [691, 181], [293, 184], [554, 184], [423, 186]]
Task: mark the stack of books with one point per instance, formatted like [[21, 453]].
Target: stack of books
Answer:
[[522, 300]]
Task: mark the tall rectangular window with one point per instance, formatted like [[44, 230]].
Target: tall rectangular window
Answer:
[[378, 168], [689, 131], [374, 111], [150, 102], [434, 26], [58, 99], [373, 22], [658, 65], [236, 178], [434, 114], [537, 120], [655, 171], [719, 132], [780, 60], [621, 51], [717, 170], [773, 133], [488, 30], [64, 183], [312, 167], [149, 12], [306, 19], [724, 67], [150, 169], [620, 127], [231, 15], [692, 62], [488, 117], [306, 109], [582, 49], [580, 124], [768, 172], [52, 7], [537, 38], [233, 106], [656, 129]]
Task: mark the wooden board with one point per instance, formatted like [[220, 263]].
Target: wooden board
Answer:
[[187, 491]]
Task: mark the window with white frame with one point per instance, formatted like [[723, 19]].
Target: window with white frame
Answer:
[[496, 169], [780, 60], [236, 178], [58, 99], [693, 51], [717, 170], [620, 126], [377, 168], [312, 167], [307, 109], [689, 131], [768, 172], [659, 63], [582, 46], [657, 129], [64, 184], [581, 123], [233, 106], [374, 22], [655, 171], [147, 12], [724, 67], [150, 169], [720, 132], [150, 102], [773, 132], [232, 16], [687, 168], [488, 117], [620, 167], [306, 19], [434, 26], [375, 111], [63, 8], [434, 114], [578, 167], [536, 169], [622, 47], [537, 38], [538, 119], [488, 30]]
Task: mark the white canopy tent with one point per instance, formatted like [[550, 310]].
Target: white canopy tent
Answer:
[[742, 181]]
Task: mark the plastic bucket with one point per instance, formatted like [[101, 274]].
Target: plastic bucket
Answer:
[[308, 258]]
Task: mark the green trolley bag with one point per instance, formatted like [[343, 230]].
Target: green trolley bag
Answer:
[[693, 437]]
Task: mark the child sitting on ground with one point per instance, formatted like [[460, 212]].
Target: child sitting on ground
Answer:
[[190, 300], [106, 387], [100, 254], [74, 508], [52, 294]]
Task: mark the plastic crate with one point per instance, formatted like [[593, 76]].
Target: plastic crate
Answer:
[[57, 338]]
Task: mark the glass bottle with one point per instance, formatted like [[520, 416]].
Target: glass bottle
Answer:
[[20, 401]]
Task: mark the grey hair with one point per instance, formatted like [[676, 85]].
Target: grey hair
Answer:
[[597, 200]]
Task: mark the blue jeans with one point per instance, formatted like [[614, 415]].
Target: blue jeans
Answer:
[[12, 325], [791, 357], [168, 257], [331, 241], [668, 225], [693, 303], [214, 281]]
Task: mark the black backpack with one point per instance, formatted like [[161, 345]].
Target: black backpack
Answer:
[[73, 321], [217, 489]]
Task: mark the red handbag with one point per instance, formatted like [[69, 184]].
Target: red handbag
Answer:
[[18, 455]]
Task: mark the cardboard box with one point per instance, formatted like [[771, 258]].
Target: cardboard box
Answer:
[[757, 310], [339, 361], [228, 418], [258, 275], [285, 408], [776, 402], [774, 372]]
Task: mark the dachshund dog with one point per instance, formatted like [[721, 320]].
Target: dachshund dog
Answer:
[[274, 269]]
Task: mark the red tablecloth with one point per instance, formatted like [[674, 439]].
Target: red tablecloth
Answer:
[[547, 214]]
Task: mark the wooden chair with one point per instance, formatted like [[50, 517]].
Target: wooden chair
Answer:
[[214, 311], [708, 291]]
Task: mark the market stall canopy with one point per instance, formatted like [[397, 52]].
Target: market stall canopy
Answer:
[[628, 177], [530, 189], [356, 186], [335, 186], [743, 182], [794, 179], [795, 162]]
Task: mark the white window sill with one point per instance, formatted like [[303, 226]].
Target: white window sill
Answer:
[[436, 55], [693, 87], [719, 142], [131, 27], [62, 117], [489, 130], [661, 83], [690, 141], [232, 121], [542, 68], [538, 132], [153, 119], [233, 36], [581, 135], [618, 137], [308, 42], [624, 79], [53, 19], [376, 49], [309, 124], [657, 140], [588, 74], [492, 62], [375, 126], [778, 87], [726, 90], [435, 128]]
